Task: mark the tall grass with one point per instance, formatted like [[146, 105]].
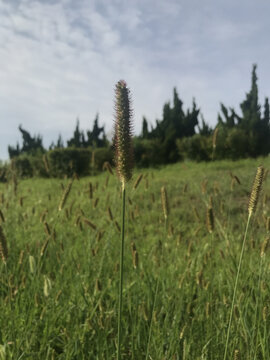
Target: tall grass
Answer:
[[59, 289]]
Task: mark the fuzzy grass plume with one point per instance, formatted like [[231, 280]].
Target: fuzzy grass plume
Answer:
[[253, 200], [65, 195], [164, 202], [3, 246], [123, 132], [124, 165], [255, 191]]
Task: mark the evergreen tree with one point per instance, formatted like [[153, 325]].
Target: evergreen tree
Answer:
[[191, 120], [228, 118], [266, 114], [94, 137], [205, 129], [30, 145], [76, 140], [250, 106], [145, 132], [60, 143]]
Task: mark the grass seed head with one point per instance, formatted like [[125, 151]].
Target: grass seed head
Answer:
[[2, 216], [3, 246], [210, 219], [164, 202], [255, 191], [137, 182], [123, 132], [65, 195]]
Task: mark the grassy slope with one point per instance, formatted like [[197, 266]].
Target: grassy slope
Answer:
[[64, 306]]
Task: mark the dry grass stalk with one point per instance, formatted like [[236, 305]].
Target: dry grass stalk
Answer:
[[96, 203], [185, 188], [204, 186], [77, 220], [117, 226], [107, 166], [264, 246], [90, 224], [164, 202], [44, 247], [210, 219], [2, 216], [46, 163], [47, 228], [58, 295], [215, 137], [268, 224], [255, 191], [90, 190], [146, 184], [196, 214], [110, 213], [264, 313], [65, 195], [21, 257], [3, 246], [100, 235], [137, 182], [98, 286]]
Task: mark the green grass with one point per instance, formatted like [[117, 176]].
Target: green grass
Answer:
[[65, 306]]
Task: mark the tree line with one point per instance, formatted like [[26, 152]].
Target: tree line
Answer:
[[179, 134]]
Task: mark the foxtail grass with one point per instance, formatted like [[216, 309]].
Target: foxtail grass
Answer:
[[124, 165], [253, 200]]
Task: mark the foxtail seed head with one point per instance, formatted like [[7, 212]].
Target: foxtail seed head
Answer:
[[65, 195], [164, 201], [3, 246], [123, 132], [255, 191], [210, 219]]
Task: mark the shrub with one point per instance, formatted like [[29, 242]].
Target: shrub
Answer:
[[148, 152], [66, 162], [197, 147]]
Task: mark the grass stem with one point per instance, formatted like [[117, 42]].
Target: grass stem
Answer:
[[119, 337], [235, 287]]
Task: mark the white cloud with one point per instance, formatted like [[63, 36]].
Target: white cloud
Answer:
[[61, 59]]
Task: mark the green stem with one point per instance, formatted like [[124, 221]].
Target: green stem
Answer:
[[257, 305], [235, 287], [121, 273], [151, 322]]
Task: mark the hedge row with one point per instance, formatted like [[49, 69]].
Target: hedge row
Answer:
[[231, 144]]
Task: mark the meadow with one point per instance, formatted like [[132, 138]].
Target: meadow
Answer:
[[59, 282]]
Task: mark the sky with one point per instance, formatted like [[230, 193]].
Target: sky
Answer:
[[60, 60]]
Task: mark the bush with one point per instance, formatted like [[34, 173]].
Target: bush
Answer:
[[148, 153], [22, 166], [66, 162], [233, 144], [3, 172], [100, 155], [197, 147]]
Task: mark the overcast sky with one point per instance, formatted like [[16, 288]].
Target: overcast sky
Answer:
[[60, 59]]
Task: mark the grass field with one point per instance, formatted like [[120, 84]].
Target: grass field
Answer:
[[59, 286]]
